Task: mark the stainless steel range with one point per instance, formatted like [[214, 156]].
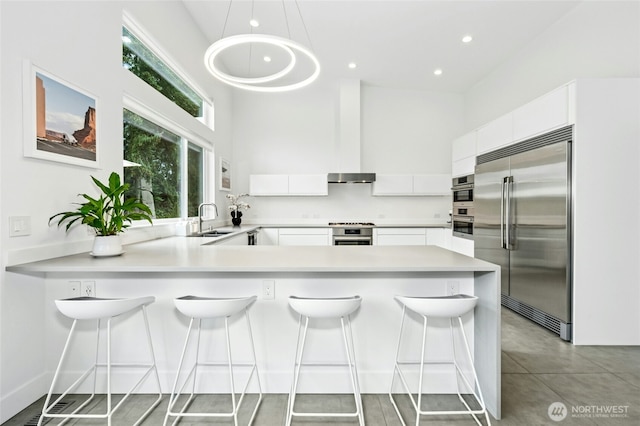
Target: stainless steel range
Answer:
[[352, 233]]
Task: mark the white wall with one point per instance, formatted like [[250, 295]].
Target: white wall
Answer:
[[402, 131], [79, 42], [595, 39]]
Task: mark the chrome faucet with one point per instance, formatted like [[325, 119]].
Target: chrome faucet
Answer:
[[200, 214]]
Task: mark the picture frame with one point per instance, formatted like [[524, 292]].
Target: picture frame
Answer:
[[60, 120], [225, 175]]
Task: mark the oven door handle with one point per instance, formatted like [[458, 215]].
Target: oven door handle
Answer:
[[346, 238]]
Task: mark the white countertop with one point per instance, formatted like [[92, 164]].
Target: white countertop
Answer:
[[185, 254]]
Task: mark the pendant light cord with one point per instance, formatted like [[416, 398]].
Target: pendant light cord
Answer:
[[226, 19], [253, 3], [286, 20], [306, 32]]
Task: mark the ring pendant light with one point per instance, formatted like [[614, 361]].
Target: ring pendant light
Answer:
[[289, 46], [221, 45]]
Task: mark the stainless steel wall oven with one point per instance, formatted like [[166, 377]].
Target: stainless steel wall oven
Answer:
[[463, 211]]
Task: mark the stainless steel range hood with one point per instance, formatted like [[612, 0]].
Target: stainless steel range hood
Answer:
[[348, 136], [351, 177]]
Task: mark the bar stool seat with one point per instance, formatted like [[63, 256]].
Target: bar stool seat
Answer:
[[440, 306], [92, 308], [202, 308], [325, 308], [452, 307], [99, 308]]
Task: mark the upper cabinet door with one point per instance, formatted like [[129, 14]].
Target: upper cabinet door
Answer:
[[431, 184], [291, 185], [464, 146], [542, 114], [268, 185], [393, 185], [308, 185], [495, 134]]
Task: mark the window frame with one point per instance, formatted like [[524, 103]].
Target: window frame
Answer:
[[154, 47], [186, 138], [199, 131]]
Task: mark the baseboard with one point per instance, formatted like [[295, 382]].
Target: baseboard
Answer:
[[23, 396]]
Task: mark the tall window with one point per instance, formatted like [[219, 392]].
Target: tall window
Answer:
[[140, 60], [159, 164], [195, 178]]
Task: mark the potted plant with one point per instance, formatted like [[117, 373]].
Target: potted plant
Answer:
[[109, 215], [235, 206]]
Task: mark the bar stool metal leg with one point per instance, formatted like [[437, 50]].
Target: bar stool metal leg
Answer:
[[478, 396], [110, 409], [353, 369], [425, 304], [302, 333], [177, 390], [353, 372]]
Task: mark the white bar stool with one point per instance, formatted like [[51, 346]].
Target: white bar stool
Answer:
[[91, 308], [199, 308], [442, 307], [325, 308]]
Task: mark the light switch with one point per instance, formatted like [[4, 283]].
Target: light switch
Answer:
[[19, 225]]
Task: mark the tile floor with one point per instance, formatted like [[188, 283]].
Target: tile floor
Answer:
[[538, 369]]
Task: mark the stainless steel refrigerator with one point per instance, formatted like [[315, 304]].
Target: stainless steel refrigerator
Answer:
[[522, 201]]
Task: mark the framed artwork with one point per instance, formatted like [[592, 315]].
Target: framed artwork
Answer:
[[225, 175], [59, 120]]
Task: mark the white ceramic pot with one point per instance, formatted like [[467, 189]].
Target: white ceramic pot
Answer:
[[109, 245]]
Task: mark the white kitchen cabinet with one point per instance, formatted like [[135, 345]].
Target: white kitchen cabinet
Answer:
[[304, 236], [308, 185], [400, 236], [268, 185], [541, 115], [495, 134], [412, 185], [268, 237], [393, 185], [463, 155], [437, 237], [464, 167], [431, 185], [462, 246], [464, 146], [288, 185]]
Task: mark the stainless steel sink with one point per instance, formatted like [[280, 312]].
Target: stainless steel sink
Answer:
[[213, 234]]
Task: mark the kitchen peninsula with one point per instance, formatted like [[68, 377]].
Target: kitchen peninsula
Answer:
[[175, 266]]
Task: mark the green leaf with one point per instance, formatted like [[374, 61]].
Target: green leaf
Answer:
[[109, 213]]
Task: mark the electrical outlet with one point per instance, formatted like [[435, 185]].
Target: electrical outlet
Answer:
[[453, 287], [268, 289], [74, 289], [88, 289]]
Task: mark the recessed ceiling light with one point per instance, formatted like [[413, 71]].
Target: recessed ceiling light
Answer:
[[254, 23], [352, 65], [437, 71], [267, 58], [467, 39]]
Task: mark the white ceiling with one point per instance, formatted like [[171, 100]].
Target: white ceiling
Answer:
[[395, 43]]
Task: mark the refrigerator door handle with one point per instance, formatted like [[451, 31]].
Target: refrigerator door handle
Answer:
[[502, 211], [507, 217]]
